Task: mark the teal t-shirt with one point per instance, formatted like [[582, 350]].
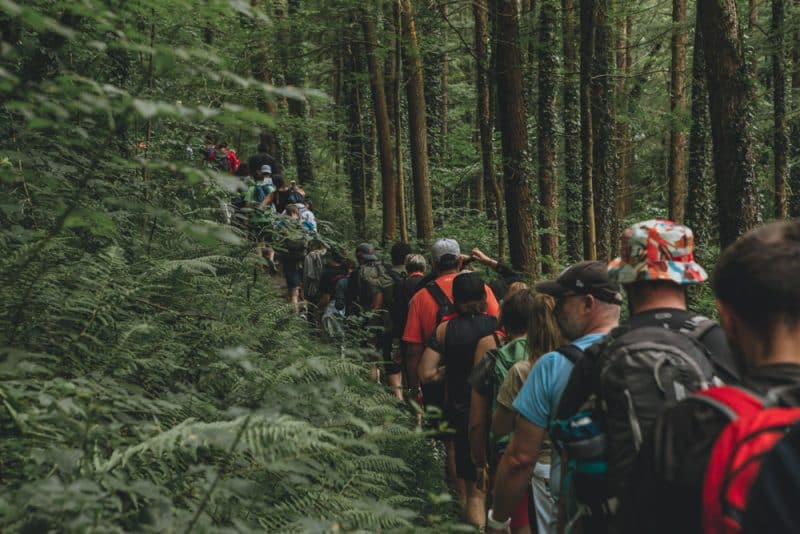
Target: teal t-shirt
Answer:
[[538, 400]]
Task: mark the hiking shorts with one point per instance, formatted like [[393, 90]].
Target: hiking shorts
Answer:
[[293, 274]]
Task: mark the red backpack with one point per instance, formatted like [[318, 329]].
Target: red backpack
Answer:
[[756, 424]]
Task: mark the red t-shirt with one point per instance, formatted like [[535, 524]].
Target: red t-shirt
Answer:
[[423, 308]]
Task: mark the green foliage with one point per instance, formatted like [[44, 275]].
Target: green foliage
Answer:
[[151, 378]]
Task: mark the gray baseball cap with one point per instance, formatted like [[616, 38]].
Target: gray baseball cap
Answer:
[[444, 247]]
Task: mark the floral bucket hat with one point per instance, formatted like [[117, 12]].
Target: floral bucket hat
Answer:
[[657, 249]]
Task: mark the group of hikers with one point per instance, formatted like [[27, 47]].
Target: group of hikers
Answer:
[[560, 419], [556, 417]]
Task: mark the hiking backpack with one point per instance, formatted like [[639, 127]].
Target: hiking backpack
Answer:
[[628, 380], [375, 274], [444, 305], [756, 425], [295, 196]]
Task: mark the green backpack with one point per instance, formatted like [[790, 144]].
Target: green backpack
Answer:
[[375, 274], [506, 356]]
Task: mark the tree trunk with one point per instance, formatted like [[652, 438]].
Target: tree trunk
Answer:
[[781, 140], [511, 117], [752, 22], [603, 123], [548, 196], [572, 134], [700, 206], [400, 188], [481, 15], [677, 107], [731, 108], [794, 142], [372, 156], [383, 130], [587, 139], [294, 73], [624, 195], [495, 193], [259, 66], [444, 101], [417, 124], [355, 155]]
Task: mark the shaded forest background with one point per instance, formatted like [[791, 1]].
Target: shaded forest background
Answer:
[[151, 380]]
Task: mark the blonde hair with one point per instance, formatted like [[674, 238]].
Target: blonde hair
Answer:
[[514, 288], [544, 335]]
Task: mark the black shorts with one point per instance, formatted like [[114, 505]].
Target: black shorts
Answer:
[[465, 468], [386, 347]]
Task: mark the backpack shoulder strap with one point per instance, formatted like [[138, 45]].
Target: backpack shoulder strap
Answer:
[[731, 401], [697, 327], [497, 342], [437, 293], [572, 353]]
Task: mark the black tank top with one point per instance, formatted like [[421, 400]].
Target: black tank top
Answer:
[[281, 200], [460, 340]]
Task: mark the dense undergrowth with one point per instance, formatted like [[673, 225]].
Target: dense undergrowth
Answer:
[[151, 379]]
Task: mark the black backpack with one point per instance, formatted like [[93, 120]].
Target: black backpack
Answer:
[[617, 390], [445, 305]]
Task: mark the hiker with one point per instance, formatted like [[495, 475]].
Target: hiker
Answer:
[[660, 355], [449, 358], [414, 268], [307, 216], [587, 308], [313, 267], [496, 380], [333, 293], [284, 194], [371, 289], [293, 242], [677, 478], [429, 305]]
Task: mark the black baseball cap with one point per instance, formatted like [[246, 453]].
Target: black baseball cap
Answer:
[[587, 278]]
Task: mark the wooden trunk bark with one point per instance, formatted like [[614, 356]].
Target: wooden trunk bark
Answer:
[[400, 187], [481, 16], [731, 108], [700, 205], [781, 135], [294, 73], [677, 106], [511, 114], [548, 196], [384, 135], [587, 138], [355, 157], [794, 129], [603, 125], [417, 124], [572, 134], [624, 62]]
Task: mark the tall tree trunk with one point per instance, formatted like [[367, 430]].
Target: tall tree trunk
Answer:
[[355, 156], [572, 134], [260, 67], [624, 39], [781, 142], [511, 113], [444, 95], [294, 74], [700, 204], [794, 142], [752, 23], [481, 15], [548, 196], [587, 138], [495, 189], [382, 125], [417, 124], [731, 107], [603, 123], [400, 188], [372, 156], [677, 107]]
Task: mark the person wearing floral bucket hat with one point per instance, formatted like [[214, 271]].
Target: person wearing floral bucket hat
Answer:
[[663, 353], [655, 266]]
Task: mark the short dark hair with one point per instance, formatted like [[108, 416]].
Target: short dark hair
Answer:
[[757, 277], [448, 262], [516, 311], [399, 252]]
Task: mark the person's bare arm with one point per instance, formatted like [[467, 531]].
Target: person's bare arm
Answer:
[[268, 199], [429, 370], [503, 420], [516, 466]]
